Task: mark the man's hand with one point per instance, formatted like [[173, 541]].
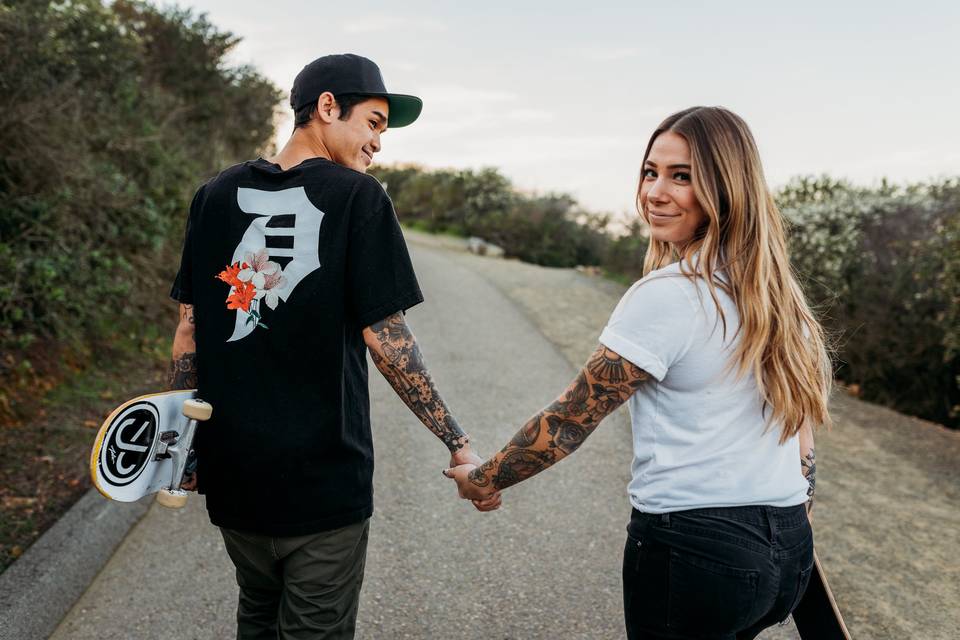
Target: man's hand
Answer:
[[189, 482], [465, 457]]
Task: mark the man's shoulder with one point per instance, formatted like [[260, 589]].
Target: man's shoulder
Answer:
[[228, 177]]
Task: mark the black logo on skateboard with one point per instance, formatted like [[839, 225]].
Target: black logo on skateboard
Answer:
[[129, 443]]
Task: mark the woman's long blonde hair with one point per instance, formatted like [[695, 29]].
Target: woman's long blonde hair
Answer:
[[744, 237]]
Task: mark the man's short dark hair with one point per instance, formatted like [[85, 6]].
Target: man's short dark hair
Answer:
[[346, 102]]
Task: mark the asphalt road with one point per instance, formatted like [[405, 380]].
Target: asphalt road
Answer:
[[546, 565]]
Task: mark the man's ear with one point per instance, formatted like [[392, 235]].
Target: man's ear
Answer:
[[327, 108]]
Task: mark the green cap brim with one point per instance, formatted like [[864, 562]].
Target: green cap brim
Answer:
[[404, 109]]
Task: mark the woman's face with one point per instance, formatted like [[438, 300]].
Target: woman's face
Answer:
[[666, 191]]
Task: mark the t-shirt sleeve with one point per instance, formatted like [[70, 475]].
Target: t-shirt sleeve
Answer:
[[380, 276], [182, 290], [653, 325]]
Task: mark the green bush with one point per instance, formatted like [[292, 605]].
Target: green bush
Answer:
[[883, 266], [110, 116], [549, 230], [626, 251]]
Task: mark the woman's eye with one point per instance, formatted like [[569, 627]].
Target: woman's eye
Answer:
[[649, 173], [683, 177], [373, 124]]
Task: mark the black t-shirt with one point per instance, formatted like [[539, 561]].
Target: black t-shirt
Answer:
[[284, 270]]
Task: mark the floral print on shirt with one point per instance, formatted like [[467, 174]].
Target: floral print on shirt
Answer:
[[254, 279]]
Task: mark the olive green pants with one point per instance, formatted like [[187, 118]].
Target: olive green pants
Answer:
[[298, 587]]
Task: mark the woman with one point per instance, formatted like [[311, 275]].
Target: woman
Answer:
[[727, 373]]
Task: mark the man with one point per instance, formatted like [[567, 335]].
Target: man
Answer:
[[293, 268]]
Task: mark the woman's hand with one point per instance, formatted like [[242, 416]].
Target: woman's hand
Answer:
[[467, 489]]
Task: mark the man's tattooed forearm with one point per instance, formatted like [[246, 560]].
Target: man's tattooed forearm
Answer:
[[605, 382], [186, 313], [401, 363], [808, 464], [183, 372]]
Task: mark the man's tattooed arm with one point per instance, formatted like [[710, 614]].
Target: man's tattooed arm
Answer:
[[183, 368], [396, 354], [183, 375], [604, 383]]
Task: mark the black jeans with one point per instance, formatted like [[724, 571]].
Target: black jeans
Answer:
[[721, 573]]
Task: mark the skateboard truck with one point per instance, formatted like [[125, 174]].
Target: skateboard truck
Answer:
[[197, 411], [167, 438]]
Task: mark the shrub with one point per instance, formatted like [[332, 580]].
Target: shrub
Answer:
[[549, 230], [110, 117], [883, 266]]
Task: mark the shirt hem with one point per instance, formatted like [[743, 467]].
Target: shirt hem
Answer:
[[714, 505], [178, 294], [636, 354], [400, 303], [326, 523]]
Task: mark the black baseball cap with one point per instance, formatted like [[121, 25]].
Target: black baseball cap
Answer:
[[348, 73]]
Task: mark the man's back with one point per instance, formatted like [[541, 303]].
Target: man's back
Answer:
[[285, 269]]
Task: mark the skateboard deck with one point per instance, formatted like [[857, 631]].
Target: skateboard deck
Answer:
[[817, 616], [142, 447]]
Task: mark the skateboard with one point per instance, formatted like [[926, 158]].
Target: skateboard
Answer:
[[817, 616], [142, 447]]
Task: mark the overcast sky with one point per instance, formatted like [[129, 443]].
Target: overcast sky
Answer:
[[562, 96]]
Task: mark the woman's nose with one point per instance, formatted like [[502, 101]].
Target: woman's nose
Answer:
[[657, 192]]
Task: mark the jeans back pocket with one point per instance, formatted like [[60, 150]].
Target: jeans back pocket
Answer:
[[802, 583], [708, 597]]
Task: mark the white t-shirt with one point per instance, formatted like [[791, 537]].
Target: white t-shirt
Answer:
[[699, 438]]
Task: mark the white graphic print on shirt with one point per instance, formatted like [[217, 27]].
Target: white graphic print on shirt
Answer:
[[293, 223]]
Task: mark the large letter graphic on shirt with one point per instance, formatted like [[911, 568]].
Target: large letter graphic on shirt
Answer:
[[300, 230]]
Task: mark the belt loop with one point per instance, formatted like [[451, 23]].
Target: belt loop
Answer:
[[665, 519], [771, 523]]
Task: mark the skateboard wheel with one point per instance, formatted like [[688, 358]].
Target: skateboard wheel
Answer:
[[197, 410], [172, 498]]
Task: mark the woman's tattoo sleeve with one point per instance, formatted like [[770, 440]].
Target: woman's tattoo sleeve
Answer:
[[808, 464], [397, 356], [183, 367], [605, 382]]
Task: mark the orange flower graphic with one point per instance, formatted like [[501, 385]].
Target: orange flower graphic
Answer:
[[251, 280], [229, 275], [242, 295]]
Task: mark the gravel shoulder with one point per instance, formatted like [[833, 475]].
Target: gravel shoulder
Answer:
[[887, 520]]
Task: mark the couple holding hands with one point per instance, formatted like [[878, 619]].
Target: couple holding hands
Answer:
[[715, 349]]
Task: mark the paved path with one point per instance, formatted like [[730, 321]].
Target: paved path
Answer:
[[545, 566]]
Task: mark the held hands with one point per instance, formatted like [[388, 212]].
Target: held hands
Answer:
[[461, 464]]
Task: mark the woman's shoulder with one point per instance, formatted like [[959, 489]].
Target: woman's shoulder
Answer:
[[685, 277], [670, 280], [664, 287]]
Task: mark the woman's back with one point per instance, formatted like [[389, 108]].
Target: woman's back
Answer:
[[701, 438]]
